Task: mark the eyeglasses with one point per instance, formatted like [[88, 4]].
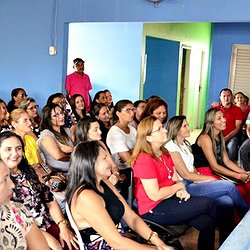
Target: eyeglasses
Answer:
[[56, 115], [25, 121], [22, 95], [33, 107], [129, 110], [157, 130]]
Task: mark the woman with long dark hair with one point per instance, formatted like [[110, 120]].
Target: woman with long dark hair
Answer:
[[17, 95], [210, 154], [78, 106], [97, 207], [33, 194], [56, 141], [101, 112]]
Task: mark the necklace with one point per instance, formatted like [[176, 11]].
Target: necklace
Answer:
[[165, 164]]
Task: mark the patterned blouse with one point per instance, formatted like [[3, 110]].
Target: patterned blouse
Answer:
[[15, 223], [34, 196]]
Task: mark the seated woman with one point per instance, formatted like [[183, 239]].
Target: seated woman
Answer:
[[101, 112], [29, 105], [21, 124], [35, 196], [77, 104], [156, 107], [121, 136], [97, 207], [17, 95], [109, 97], [56, 141], [89, 130], [224, 192], [210, 155], [59, 98], [139, 108], [100, 97], [15, 216], [160, 196], [4, 117]]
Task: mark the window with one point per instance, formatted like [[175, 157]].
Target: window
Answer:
[[239, 76]]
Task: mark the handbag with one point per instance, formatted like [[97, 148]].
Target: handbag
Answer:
[[228, 178], [56, 181]]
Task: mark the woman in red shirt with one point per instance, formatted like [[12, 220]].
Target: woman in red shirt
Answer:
[[160, 196]]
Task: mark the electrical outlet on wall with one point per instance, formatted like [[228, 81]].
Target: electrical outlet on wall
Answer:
[[52, 50]]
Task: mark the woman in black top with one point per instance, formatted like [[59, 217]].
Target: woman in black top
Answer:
[[97, 207]]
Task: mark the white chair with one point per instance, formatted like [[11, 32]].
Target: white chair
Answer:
[[73, 225]]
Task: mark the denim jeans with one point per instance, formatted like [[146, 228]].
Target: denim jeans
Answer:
[[198, 212], [223, 192], [232, 146], [244, 155]]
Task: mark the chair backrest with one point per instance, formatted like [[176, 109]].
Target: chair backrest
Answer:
[[73, 225]]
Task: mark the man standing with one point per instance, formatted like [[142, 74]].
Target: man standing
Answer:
[[233, 116], [79, 82]]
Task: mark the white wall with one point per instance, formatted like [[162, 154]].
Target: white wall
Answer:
[[112, 55]]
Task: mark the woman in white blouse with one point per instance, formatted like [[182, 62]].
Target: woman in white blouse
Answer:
[[121, 136], [224, 192]]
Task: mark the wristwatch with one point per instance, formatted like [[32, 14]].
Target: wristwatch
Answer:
[[62, 221]]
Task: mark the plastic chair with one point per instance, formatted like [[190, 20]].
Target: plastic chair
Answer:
[[73, 225]]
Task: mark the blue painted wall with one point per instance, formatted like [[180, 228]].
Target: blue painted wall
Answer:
[[224, 35], [27, 30]]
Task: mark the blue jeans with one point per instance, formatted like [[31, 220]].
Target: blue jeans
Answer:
[[198, 212], [244, 155], [232, 146], [223, 192]]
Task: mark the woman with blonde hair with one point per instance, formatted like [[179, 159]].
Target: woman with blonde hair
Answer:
[[29, 105], [223, 192], [160, 195], [21, 123]]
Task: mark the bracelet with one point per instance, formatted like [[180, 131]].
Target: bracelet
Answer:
[[117, 174], [151, 235], [62, 221]]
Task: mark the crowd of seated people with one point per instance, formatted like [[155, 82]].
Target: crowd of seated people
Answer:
[[130, 136]]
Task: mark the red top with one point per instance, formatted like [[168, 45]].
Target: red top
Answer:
[[146, 167], [232, 114]]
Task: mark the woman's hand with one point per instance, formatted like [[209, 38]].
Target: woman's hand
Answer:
[[65, 148], [182, 194], [67, 236], [113, 179], [244, 177]]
